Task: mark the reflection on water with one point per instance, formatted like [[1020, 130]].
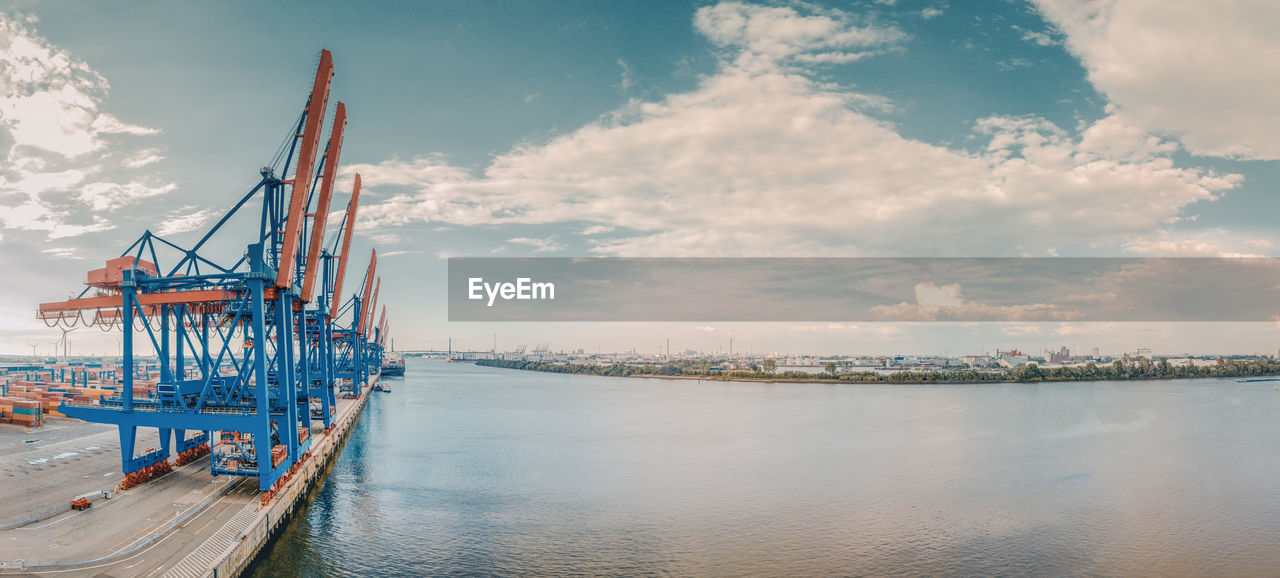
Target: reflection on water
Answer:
[[466, 470]]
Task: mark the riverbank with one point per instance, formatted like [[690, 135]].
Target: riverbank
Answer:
[[1141, 369]]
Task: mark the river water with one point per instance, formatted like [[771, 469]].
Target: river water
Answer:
[[465, 470]]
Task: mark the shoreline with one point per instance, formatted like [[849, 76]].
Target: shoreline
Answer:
[[915, 382], [786, 380], [1032, 374]]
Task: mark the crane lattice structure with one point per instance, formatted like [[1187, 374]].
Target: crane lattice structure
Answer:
[[252, 350]]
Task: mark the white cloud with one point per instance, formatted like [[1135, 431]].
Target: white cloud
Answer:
[[939, 296], [1204, 72], [597, 229], [48, 99], [54, 176], [34, 183], [143, 158], [184, 220], [829, 327], [34, 216], [64, 230], [627, 78], [381, 238], [1116, 137], [763, 37], [394, 172], [761, 159], [104, 196], [1039, 38], [539, 245], [1205, 243], [63, 252], [931, 13], [946, 302], [1013, 64], [109, 124]]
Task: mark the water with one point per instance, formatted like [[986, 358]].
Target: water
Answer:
[[465, 470]]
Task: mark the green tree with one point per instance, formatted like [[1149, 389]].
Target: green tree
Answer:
[[831, 368], [1028, 372], [770, 366]]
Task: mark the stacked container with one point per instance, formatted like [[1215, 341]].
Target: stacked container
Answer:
[[27, 413]]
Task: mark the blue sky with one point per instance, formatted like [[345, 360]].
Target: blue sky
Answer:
[[907, 128]]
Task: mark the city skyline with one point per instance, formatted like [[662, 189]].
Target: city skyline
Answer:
[[725, 343]]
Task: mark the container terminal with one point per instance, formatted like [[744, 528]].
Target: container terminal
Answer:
[[184, 462]]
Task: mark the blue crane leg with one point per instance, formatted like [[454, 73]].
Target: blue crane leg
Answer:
[[262, 429]]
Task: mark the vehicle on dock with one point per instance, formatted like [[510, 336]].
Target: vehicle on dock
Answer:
[[82, 502]]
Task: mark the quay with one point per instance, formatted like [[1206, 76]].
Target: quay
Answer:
[[180, 524]]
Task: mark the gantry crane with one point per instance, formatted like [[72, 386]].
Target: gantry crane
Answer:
[[251, 350]]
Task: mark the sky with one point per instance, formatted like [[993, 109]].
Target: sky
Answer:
[[1117, 128]]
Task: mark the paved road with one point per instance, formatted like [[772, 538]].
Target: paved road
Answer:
[[114, 525], [157, 557], [46, 467]]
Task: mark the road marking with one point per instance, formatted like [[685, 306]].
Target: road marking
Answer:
[[211, 520], [141, 552], [55, 521]]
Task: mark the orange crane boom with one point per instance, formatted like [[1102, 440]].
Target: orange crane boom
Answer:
[[306, 162], [373, 304], [322, 205], [348, 230], [145, 300], [368, 288]]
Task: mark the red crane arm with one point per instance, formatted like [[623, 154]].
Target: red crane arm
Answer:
[[348, 229], [306, 164], [322, 205], [368, 288], [147, 299], [373, 305]]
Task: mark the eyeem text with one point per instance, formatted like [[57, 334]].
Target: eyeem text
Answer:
[[523, 288]]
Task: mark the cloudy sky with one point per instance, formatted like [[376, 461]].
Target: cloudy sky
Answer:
[[878, 128]]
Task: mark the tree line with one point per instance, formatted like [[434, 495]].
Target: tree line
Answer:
[[1120, 370]]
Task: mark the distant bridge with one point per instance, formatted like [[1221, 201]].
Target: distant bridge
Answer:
[[446, 354]]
